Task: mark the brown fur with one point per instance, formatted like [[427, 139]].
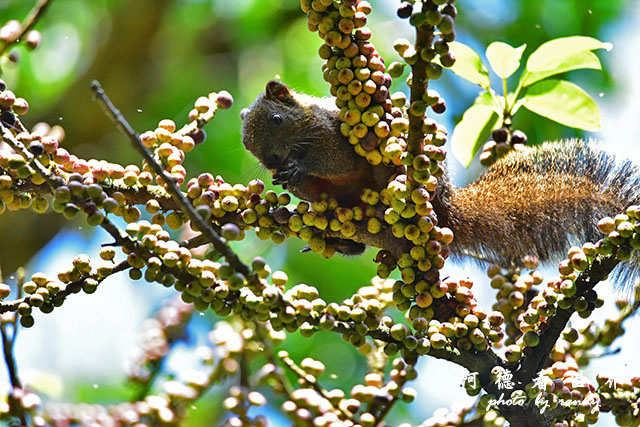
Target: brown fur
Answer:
[[537, 202]]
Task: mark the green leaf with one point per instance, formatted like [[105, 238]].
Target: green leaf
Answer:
[[560, 55], [485, 98], [573, 62], [472, 131], [563, 102], [468, 65], [504, 59], [555, 51]]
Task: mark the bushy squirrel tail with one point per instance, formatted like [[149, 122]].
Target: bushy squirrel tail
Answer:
[[539, 201]]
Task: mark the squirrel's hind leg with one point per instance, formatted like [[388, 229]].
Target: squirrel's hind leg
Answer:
[[343, 246]]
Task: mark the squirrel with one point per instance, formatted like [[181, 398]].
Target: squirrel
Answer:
[[297, 138], [534, 201]]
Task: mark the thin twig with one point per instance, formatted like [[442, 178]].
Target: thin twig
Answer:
[[7, 349], [262, 334], [31, 20], [173, 334], [244, 370], [70, 288], [386, 408], [312, 381], [55, 181], [173, 189], [8, 343]]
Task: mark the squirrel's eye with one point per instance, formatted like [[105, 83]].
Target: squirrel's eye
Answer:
[[276, 118]]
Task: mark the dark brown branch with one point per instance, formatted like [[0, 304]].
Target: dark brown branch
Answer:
[[529, 415], [8, 343], [7, 349], [186, 207], [480, 362]]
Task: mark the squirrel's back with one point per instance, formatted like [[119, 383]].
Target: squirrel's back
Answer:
[[539, 201]]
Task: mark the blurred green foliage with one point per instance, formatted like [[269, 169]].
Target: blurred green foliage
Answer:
[[155, 57]]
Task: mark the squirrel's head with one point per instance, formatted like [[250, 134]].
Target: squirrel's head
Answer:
[[271, 124]]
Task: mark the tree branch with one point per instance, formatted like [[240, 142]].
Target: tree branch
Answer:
[[424, 37], [533, 363], [171, 186]]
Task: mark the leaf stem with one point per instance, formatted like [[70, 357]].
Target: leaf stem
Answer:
[[505, 91]]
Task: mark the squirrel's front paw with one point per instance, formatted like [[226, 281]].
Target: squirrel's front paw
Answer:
[[289, 176]]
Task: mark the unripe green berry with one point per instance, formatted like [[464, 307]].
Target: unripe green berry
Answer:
[[531, 338], [131, 214], [174, 220], [27, 321], [438, 341]]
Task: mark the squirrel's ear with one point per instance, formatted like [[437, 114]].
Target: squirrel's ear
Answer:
[[278, 91]]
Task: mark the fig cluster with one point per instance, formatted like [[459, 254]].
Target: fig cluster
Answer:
[[357, 75], [622, 238], [239, 402], [562, 385], [443, 315], [11, 33], [157, 338], [94, 187], [502, 141], [438, 17], [25, 401], [241, 207], [457, 416], [522, 307], [311, 405], [45, 293], [621, 399]]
